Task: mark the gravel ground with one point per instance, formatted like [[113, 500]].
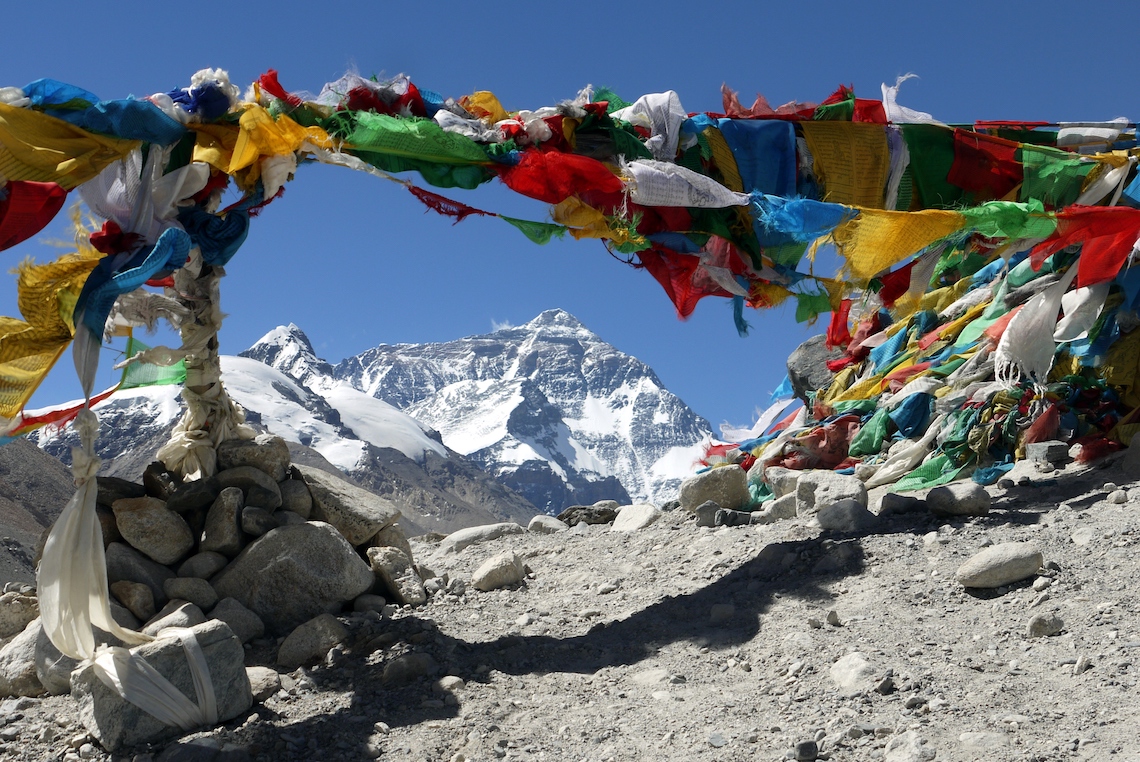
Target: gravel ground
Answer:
[[683, 643]]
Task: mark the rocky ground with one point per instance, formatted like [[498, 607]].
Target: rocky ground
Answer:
[[679, 642]]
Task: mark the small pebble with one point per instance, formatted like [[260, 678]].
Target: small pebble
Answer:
[[1118, 497]]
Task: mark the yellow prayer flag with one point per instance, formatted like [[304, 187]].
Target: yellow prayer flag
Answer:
[[878, 239], [41, 148], [484, 105], [852, 160]]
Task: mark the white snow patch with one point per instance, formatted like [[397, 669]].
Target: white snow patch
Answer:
[[678, 462], [381, 424], [265, 390]]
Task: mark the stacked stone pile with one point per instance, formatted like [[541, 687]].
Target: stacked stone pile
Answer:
[[262, 550]]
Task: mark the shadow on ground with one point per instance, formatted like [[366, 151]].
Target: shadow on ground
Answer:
[[802, 569]]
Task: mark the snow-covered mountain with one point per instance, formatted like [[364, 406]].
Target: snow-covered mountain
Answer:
[[549, 408]]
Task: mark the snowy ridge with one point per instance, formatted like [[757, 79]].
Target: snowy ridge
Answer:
[[548, 407]]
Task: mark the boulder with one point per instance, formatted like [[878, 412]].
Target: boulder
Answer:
[[203, 565], [544, 524], [223, 523], [1044, 625], [18, 664], [295, 497], [726, 486], [54, 669], [460, 539], [266, 452], [356, 513], [807, 366], [783, 507], [894, 504], [150, 527], [818, 488], [257, 521], [310, 641], [158, 481], [632, 518], [846, 515], [245, 624], [964, 498], [193, 589], [107, 526], [288, 518], [116, 723], [393, 537], [782, 481], [257, 487], [1000, 565], [599, 513], [16, 610], [294, 573], [112, 488], [852, 674], [395, 570], [124, 562], [1053, 451], [136, 597], [174, 614], [706, 513], [503, 570], [263, 682], [408, 668], [193, 496]]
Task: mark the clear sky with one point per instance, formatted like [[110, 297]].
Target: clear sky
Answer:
[[356, 261]]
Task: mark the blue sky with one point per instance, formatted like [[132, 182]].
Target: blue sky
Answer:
[[355, 261]]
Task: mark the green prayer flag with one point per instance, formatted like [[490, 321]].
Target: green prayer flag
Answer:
[[931, 148], [809, 306], [870, 438], [1007, 219], [1052, 176], [938, 470], [538, 232], [138, 374]]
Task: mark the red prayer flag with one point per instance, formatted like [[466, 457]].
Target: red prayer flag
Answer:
[[446, 206], [26, 208], [895, 284], [675, 274], [838, 335], [985, 165], [554, 177], [1107, 233], [269, 84]]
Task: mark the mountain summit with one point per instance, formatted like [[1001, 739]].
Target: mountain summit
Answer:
[[547, 407]]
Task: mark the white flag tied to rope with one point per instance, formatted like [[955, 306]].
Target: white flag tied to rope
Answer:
[[1027, 346], [663, 183]]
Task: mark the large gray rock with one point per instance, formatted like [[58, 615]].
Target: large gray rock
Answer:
[[908, 747], [463, 538], [193, 589], [295, 497], [310, 641], [258, 487], [174, 614], [631, 518], [852, 674], [203, 565], [807, 366], [393, 537], [124, 562], [601, 512], [263, 682], [16, 610], [115, 723], [190, 497], [293, 573], [54, 669], [18, 664], [543, 524], [245, 624], [503, 570], [257, 521], [964, 498], [847, 515], [726, 486], [223, 523], [356, 513], [112, 488], [394, 568], [136, 597], [1000, 565], [782, 481], [152, 528], [267, 453], [818, 488]]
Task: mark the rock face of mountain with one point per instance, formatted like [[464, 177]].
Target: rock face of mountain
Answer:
[[547, 407], [34, 488]]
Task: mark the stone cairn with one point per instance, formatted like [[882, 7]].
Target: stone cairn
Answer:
[[262, 549]]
